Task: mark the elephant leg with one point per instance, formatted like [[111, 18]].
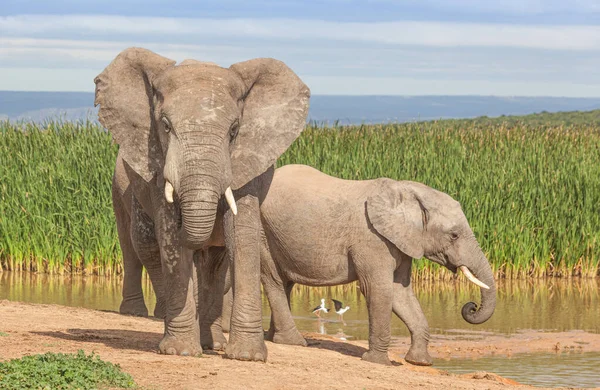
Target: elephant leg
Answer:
[[292, 336], [133, 296], [211, 267], [146, 247], [288, 294], [378, 291], [282, 329], [227, 306], [242, 235], [182, 334], [407, 308]]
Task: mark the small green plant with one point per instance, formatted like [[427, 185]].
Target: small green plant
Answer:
[[2, 334], [62, 371]]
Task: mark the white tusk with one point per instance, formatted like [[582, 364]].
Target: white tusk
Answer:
[[231, 200], [168, 191], [472, 277]]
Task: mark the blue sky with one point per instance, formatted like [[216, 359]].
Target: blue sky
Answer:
[[380, 47]]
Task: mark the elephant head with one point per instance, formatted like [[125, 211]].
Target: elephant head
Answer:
[[198, 129], [423, 222]]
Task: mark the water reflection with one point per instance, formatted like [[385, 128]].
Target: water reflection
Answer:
[[92, 292], [550, 305], [553, 305]]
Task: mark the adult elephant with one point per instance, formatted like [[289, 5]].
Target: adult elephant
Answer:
[[189, 136], [324, 231]]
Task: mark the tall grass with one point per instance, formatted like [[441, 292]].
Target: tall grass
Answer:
[[531, 193], [55, 209]]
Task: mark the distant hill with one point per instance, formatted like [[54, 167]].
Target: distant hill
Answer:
[[544, 118], [39, 106]]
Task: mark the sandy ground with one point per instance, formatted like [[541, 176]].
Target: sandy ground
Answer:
[[327, 363]]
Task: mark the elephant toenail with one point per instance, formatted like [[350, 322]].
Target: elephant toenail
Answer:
[[185, 353], [244, 356], [259, 357], [171, 351], [231, 356]]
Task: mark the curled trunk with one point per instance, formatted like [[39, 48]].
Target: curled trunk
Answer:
[[470, 311]]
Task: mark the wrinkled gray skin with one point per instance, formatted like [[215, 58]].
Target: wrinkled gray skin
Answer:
[[139, 247], [201, 128], [324, 231]]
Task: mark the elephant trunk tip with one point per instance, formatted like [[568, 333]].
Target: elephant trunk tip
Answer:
[[472, 314], [196, 240]]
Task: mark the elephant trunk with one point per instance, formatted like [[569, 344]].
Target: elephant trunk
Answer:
[[198, 214], [482, 270], [199, 196]]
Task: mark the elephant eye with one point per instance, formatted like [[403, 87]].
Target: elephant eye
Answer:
[[166, 123], [233, 130], [453, 236]]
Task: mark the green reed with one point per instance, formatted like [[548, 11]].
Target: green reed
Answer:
[[55, 209], [531, 192]]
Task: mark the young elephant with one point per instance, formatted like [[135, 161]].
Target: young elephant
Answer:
[[324, 231]]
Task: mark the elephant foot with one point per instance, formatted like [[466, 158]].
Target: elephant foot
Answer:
[[225, 328], [377, 357], [216, 341], [160, 310], [182, 345], [134, 308], [418, 357], [249, 347], [270, 334], [291, 337]]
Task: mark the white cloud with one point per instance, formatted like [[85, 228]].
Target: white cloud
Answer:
[[518, 7], [86, 54], [44, 53], [39, 79], [36, 79], [433, 34]]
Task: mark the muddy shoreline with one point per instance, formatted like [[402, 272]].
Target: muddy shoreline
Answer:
[[327, 363]]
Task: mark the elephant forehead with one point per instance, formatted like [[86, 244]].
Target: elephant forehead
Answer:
[[200, 76], [434, 198], [199, 105]]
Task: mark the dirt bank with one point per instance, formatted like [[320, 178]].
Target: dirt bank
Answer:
[[327, 363]]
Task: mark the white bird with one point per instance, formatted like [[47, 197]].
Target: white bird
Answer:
[[340, 309], [320, 308]]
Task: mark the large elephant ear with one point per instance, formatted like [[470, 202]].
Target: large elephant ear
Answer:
[[399, 216], [124, 93], [274, 115]]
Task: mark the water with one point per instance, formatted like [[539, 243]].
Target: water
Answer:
[[554, 305], [539, 369], [91, 292]]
